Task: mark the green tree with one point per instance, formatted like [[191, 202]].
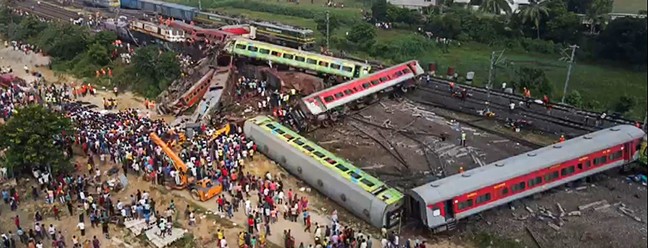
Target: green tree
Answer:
[[379, 10], [533, 79], [625, 39], [334, 24], [495, 6], [150, 72], [33, 139], [99, 54], [104, 38], [624, 104], [564, 28], [596, 12], [362, 34], [574, 98], [534, 13]]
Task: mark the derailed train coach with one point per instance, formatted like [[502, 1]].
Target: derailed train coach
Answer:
[[439, 204], [358, 192]]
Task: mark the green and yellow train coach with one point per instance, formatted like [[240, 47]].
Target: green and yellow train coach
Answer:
[[297, 58], [360, 193]]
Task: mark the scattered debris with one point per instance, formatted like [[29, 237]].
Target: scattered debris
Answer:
[[528, 209], [602, 207], [553, 226], [581, 188], [574, 213], [589, 205]]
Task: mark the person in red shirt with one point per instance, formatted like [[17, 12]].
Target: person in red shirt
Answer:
[[17, 221], [56, 213], [221, 203], [250, 224]]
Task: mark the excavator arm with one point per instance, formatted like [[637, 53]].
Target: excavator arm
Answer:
[[177, 162]]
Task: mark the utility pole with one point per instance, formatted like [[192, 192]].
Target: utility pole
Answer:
[[491, 72], [571, 62], [327, 30]]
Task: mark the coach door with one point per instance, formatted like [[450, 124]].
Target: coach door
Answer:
[[628, 148]]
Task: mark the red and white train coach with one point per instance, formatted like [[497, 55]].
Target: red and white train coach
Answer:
[[339, 95], [441, 203]]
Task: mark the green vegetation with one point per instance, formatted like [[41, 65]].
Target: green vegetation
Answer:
[[34, 138], [610, 62], [78, 51]]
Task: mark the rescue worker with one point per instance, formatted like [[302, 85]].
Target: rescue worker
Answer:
[[562, 139], [452, 85], [463, 138], [461, 170]]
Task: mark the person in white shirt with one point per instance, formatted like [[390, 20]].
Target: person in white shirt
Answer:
[[223, 243], [81, 227]]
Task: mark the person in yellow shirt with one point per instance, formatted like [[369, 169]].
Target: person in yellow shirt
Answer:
[[241, 241]]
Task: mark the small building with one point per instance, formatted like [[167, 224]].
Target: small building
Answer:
[[414, 4]]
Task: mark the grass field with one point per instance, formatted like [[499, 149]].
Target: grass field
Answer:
[[628, 6], [596, 82]]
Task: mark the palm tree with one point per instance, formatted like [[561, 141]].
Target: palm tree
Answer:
[[534, 12], [496, 6]]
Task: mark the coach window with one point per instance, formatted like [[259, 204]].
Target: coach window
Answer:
[[535, 181], [335, 66], [330, 161], [288, 137], [367, 182], [407, 70], [240, 46], [347, 69], [311, 61], [588, 164], [299, 142], [518, 187], [339, 95], [579, 166], [264, 51], [288, 56], [275, 53], [253, 48], [600, 160], [375, 82], [300, 59], [505, 191], [279, 131], [307, 147], [552, 176], [355, 175], [567, 171], [483, 198], [465, 204], [319, 154], [383, 79], [270, 126], [328, 99], [342, 168], [366, 85], [323, 63], [399, 73], [348, 92], [615, 155]]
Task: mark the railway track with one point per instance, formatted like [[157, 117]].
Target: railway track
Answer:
[[582, 114], [46, 10], [533, 113]]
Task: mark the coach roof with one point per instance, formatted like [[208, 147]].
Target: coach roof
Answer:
[[528, 162]]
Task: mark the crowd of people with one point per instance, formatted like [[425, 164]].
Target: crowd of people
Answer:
[[268, 99]]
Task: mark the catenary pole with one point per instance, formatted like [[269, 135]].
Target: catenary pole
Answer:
[[571, 63], [327, 30]]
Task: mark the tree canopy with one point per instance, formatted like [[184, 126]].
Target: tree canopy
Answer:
[[34, 138]]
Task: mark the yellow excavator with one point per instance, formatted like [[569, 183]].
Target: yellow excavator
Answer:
[[202, 190]]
